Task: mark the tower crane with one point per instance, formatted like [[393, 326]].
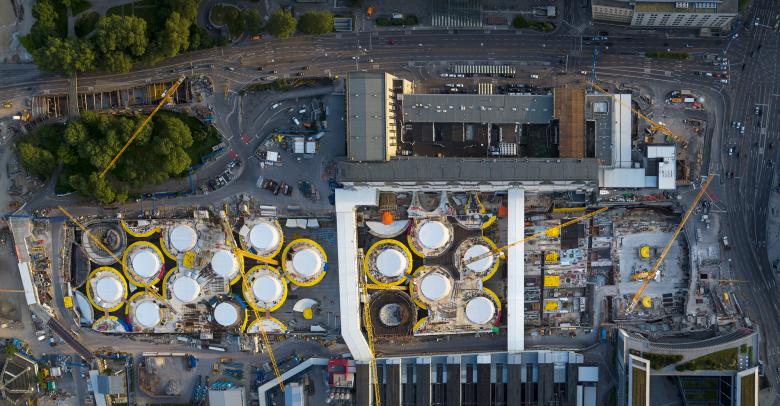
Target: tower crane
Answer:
[[230, 240], [533, 236], [365, 286], [654, 270], [654, 126], [370, 335], [166, 96], [151, 290]]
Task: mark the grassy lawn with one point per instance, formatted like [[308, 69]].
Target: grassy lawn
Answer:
[[742, 5], [658, 361], [221, 13], [544, 26], [86, 24], [725, 359], [748, 394]]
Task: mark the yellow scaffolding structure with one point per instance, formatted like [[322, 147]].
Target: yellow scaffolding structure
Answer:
[[652, 272], [230, 240]]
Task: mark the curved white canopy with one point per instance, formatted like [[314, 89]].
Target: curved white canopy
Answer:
[[433, 235], [109, 289], [267, 288], [480, 310], [435, 286], [226, 314], [307, 262], [264, 236], [186, 289], [391, 262], [147, 314], [224, 263], [146, 263], [482, 264], [182, 238]]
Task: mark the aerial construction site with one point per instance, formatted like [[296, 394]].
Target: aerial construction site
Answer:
[[184, 276]]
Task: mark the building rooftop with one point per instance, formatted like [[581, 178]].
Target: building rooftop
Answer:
[[477, 108], [670, 6], [230, 397], [423, 169], [366, 116], [570, 111]]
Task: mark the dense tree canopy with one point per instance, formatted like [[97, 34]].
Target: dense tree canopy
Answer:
[[86, 146], [69, 56], [282, 24], [124, 34], [252, 20], [316, 22], [176, 37], [40, 162], [118, 40]]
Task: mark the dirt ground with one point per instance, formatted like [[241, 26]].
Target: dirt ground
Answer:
[[11, 28]]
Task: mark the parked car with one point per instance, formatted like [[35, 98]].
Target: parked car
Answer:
[[271, 185], [285, 189]]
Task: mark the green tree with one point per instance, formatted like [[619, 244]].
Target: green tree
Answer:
[[176, 36], [200, 38], [45, 14], [117, 62], [188, 9], [316, 23], [121, 33], [67, 155], [282, 24], [171, 136], [234, 21], [69, 56], [102, 188], [36, 160], [45, 25], [252, 20]]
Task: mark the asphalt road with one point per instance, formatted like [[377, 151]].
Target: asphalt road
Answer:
[[420, 53], [746, 194], [334, 54]]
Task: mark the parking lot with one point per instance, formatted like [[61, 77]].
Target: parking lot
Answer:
[[296, 163]]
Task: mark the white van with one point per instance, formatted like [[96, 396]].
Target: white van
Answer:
[[296, 121]]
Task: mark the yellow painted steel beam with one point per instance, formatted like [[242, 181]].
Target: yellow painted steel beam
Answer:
[[167, 95], [655, 126], [660, 260], [535, 236]]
